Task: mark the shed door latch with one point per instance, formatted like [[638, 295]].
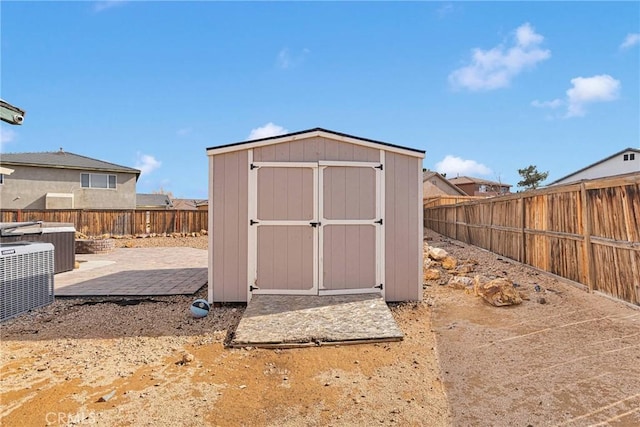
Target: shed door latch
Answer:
[[315, 224]]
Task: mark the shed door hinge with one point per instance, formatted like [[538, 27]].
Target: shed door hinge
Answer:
[[252, 288], [380, 286], [379, 167], [378, 221], [252, 222], [252, 166]]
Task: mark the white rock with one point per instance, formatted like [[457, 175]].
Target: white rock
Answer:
[[437, 254]]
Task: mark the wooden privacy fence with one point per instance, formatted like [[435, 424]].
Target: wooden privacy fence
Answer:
[[588, 232], [447, 200], [116, 222]]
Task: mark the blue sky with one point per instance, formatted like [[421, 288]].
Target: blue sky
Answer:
[[485, 88]]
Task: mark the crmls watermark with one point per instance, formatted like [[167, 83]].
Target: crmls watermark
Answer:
[[68, 418]]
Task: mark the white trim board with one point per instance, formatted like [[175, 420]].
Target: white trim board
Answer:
[[311, 134]]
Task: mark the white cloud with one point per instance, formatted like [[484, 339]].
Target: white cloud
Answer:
[[183, 131], [631, 40], [100, 6], [586, 90], [266, 131], [548, 104], [286, 59], [454, 166], [445, 10], [6, 136], [496, 67], [147, 163]]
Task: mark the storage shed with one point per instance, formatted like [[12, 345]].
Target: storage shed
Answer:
[[315, 212]]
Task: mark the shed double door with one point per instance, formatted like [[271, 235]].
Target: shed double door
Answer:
[[315, 228]]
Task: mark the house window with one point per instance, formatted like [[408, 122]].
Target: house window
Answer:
[[482, 189], [97, 180], [632, 156], [626, 157]]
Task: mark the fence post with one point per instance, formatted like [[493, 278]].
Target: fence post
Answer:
[[587, 257], [455, 219], [523, 236], [491, 226]]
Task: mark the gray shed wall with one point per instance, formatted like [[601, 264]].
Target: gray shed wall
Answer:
[[403, 227], [228, 217]]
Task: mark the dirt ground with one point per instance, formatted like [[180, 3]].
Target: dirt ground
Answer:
[[574, 360]]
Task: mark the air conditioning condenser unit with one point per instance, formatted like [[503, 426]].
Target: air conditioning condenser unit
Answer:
[[26, 277]]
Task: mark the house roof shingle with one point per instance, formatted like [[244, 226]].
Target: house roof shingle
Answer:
[[469, 180], [161, 200], [63, 160], [426, 175]]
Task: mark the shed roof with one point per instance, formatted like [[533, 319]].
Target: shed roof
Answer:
[[633, 150], [63, 160], [243, 145]]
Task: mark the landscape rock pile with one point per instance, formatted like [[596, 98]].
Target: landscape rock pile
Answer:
[[443, 269]]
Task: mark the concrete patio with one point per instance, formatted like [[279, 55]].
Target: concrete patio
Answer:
[[298, 321]]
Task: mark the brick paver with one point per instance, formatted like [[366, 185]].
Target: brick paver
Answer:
[[136, 272]]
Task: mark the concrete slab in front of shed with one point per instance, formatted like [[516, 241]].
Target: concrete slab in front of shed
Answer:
[[293, 321]]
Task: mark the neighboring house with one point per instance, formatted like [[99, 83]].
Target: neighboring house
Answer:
[[184, 204], [63, 180], [190, 204], [202, 205], [434, 184], [622, 162], [150, 202], [480, 187]]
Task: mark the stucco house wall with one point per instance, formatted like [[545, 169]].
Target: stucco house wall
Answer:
[[27, 187], [434, 184]]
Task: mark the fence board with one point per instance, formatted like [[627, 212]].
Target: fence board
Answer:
[[588, 232], [116, 222]]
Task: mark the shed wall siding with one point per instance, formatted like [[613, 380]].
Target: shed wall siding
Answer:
[[228, 213], [229, 237], [402, 227], [313, 150]]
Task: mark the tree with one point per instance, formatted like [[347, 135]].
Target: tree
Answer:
[[531, 178]]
